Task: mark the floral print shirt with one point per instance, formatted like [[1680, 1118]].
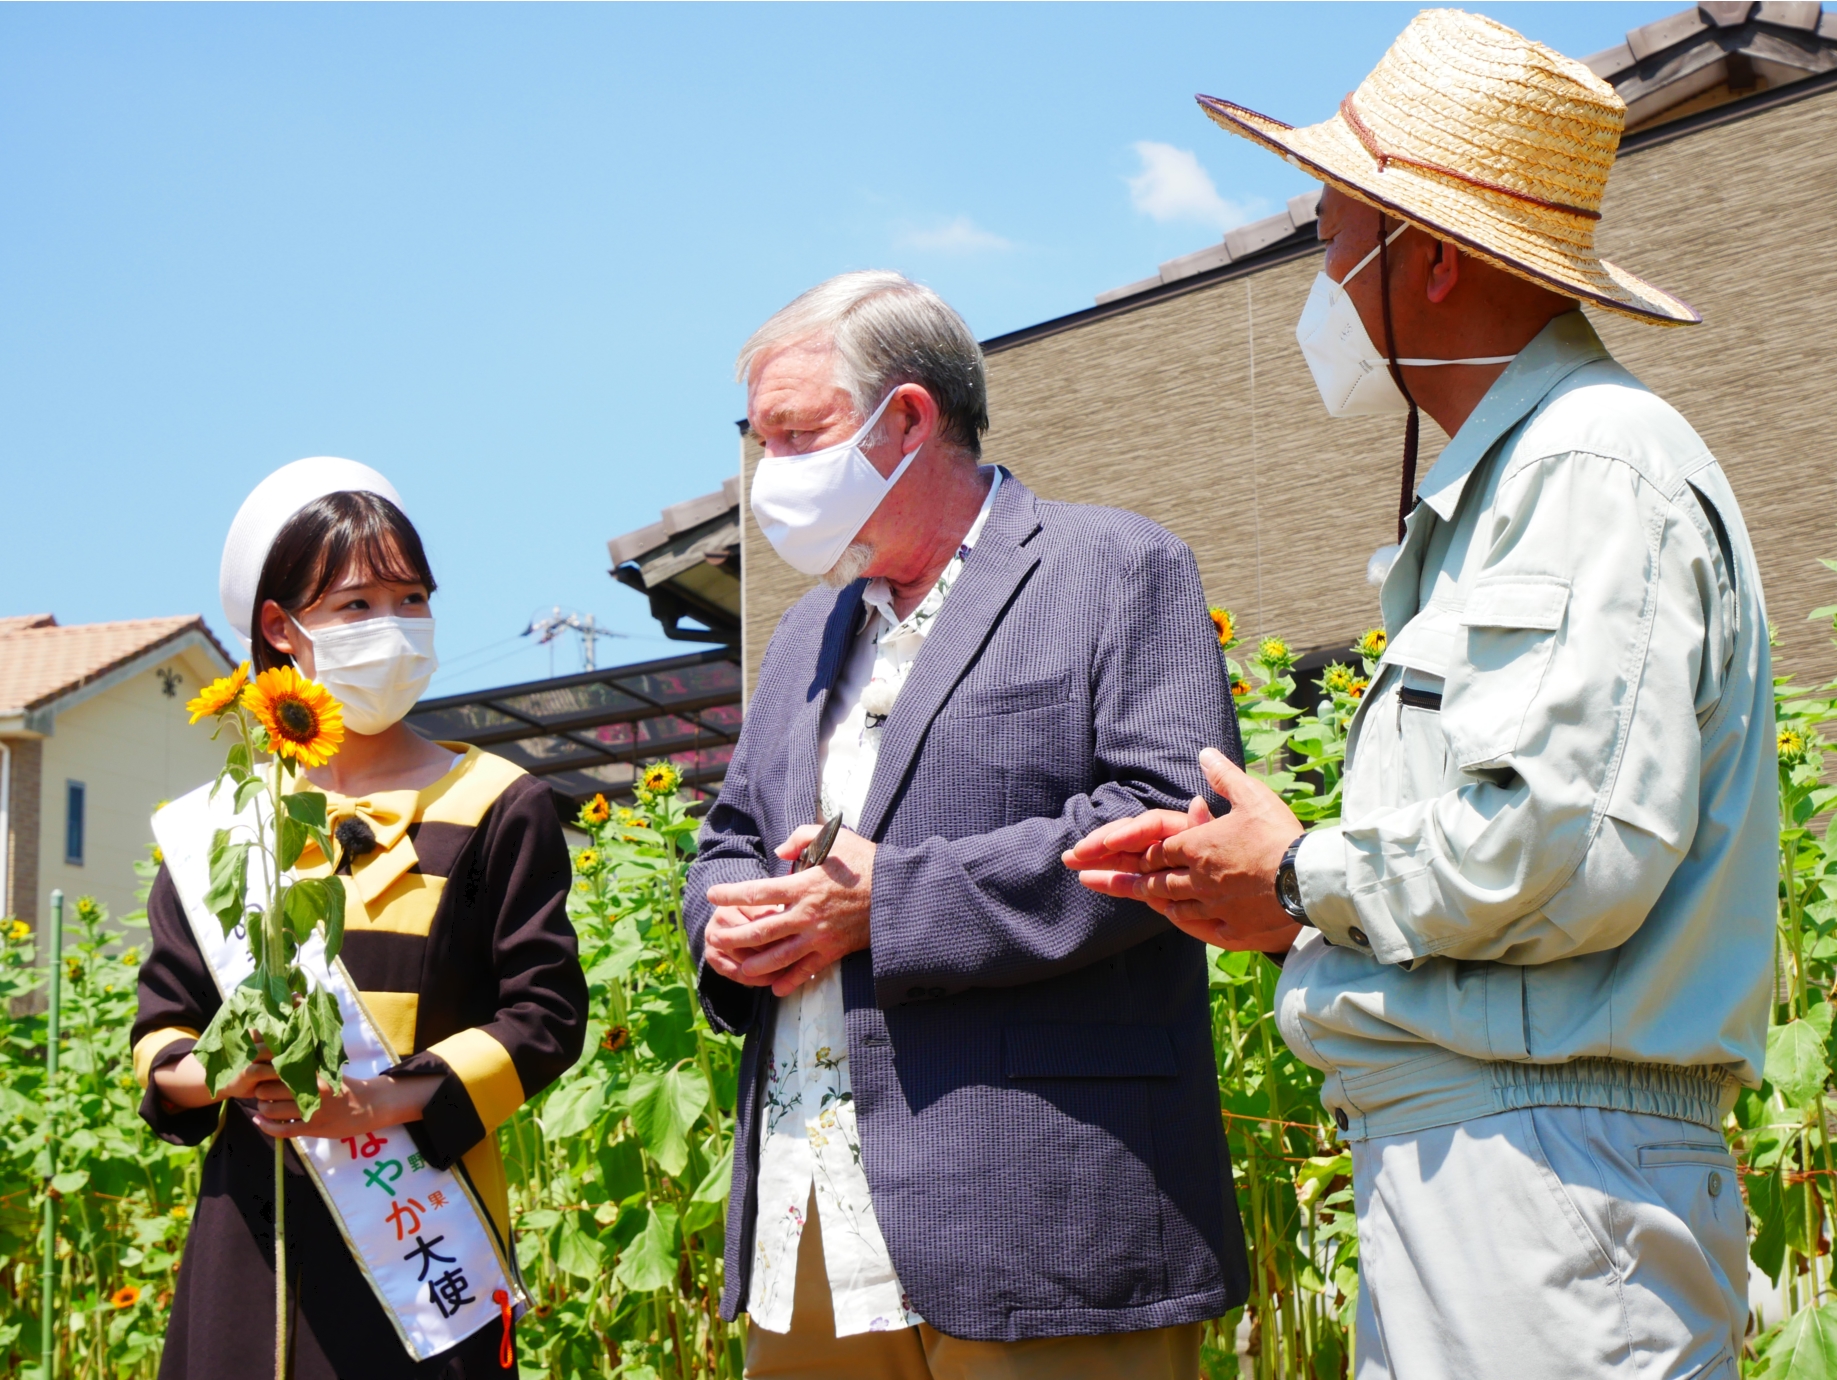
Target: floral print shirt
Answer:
[[809, 1139]]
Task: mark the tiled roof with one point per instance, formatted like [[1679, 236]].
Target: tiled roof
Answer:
[[678, 518], [1715, 52], [1712, 53], [40, 661]]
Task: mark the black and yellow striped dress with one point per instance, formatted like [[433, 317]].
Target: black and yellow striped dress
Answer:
[[457, 936]]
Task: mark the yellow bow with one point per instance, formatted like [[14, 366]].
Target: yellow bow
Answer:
[[388, 815]]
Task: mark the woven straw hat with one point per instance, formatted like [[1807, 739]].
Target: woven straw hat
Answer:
[[1478, 135]]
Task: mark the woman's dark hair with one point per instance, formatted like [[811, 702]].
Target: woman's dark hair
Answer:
[[324, 539]]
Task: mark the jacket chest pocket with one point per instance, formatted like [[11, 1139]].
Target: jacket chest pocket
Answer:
[[1413, 760], [1511, 626]]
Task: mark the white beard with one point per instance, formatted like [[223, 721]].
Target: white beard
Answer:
[[851, 566]]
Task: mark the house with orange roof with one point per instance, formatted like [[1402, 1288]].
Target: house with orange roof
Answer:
[[93, 735]]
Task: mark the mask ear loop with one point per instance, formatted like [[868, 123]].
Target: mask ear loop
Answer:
[[1413, 427]]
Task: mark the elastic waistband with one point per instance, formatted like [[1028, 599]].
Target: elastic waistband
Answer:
[[1703, 1095], [1443, 1088]]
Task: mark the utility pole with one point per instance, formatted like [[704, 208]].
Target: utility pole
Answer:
[[584, 625]]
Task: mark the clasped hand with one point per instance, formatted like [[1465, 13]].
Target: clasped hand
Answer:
[[1212, 877], [780, 932]]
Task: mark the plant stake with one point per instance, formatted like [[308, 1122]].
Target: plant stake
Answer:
[[47, 1328]]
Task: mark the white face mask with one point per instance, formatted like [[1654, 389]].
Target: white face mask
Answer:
[[376, 668], [1352, 375], [811, 506]]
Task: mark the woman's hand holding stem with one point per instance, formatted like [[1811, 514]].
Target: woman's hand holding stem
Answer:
[[363, 1104]]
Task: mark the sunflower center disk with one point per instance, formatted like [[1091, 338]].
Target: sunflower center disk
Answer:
[[297, 721]]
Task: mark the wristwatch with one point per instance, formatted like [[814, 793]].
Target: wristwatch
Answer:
[[1288, 885]]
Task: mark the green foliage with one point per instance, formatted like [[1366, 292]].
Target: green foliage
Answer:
[[124, 1197], [619, 1171], [1294, 1185]]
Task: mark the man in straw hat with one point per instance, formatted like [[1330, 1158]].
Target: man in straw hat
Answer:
[[1534, 958]]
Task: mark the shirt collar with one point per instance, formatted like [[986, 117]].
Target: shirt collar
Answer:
[[1557, 351], [878, 596]]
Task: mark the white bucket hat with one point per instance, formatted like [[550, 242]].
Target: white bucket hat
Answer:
[[267, 510]]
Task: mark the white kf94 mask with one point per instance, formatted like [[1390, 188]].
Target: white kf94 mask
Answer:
[[811, 506], [1352, 375], [376, 668]]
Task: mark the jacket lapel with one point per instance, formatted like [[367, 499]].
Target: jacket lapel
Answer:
[[807, 724], [990, 577]]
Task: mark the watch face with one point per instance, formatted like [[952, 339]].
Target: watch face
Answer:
[[1288, 889]]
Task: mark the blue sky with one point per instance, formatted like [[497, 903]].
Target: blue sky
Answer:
[[506, 253]]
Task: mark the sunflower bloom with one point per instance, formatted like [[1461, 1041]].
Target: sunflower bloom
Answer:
[[1371, 646], [217, 697], [1239, 689], [1226, 626], [586, 861], [18, 930], [1336, 679], [660, 778], [1274, 656], [1792, 747], [595, 811], [303, 721], [1358, 687], [126, 1296]]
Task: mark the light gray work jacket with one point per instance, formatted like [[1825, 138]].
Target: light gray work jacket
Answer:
[[1554, 881]]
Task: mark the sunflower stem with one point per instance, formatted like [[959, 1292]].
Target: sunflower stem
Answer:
[[274, 959]]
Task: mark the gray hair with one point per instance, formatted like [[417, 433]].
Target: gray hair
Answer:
[[887, 330]]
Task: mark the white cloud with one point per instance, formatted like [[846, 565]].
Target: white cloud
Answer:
[[959, 235], [1172, 186]]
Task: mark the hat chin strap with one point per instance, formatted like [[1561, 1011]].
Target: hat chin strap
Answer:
[[1412, 429]]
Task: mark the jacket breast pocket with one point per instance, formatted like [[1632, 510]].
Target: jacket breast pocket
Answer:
[[1511, 627], [989, 701]]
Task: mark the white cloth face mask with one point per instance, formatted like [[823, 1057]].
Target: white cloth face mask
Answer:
[[811, 506], [376, 668], [1351, 373]]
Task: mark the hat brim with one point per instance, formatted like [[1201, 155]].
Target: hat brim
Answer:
[[1489, 226]]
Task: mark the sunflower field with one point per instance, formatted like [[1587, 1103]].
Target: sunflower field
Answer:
[[619, 1171]]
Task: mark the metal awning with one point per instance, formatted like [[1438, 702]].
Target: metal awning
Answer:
[[593, 732]]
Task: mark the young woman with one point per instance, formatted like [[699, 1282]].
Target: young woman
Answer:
[[457, 938]]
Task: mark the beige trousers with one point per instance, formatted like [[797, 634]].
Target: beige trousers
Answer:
[[812, 1351]]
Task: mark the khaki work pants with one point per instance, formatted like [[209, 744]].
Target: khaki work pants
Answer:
[[812, 1351], [1550, 1243]]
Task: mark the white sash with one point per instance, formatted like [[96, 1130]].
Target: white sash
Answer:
[[419, 1234]]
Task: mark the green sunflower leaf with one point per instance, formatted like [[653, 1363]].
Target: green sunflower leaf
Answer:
[[1795, 1059], [572, 1108], [649, 1262], [576, 1250], [229, 879], [1806, 1347], [662, 1107]]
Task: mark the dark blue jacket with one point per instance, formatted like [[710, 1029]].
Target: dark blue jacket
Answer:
[[1032, 1063]]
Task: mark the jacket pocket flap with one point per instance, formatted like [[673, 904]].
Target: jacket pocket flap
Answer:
[[1425, 643], [982, 701], [1087, 1051], [1532, 603], [1686, 1152]]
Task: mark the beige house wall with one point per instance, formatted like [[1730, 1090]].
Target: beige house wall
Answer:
[[131, 747], [1198, 411]]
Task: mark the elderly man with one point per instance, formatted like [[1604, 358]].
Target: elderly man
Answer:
[[979, 1127], [1535, 957]]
